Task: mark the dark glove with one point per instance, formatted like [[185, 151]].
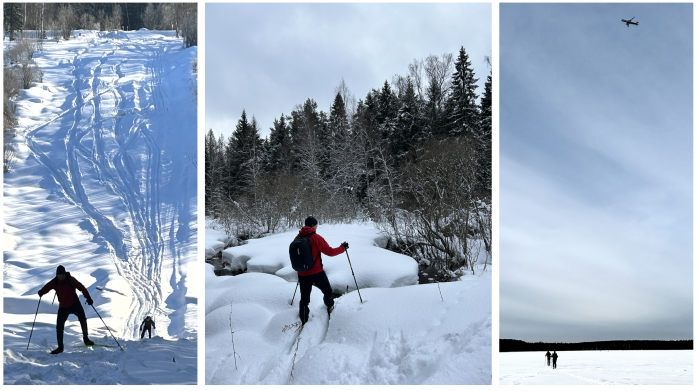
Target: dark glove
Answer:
[[89, 301], [40, 294], [345, 245]]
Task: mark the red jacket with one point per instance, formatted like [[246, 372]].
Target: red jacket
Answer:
[[66, 294], [318, 245]]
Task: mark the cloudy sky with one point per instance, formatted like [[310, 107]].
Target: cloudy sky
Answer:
[[596, 172], [267, 58]]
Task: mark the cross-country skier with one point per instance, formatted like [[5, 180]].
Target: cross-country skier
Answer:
[[148, 322], [316, 275], [555, 358], [548, 358], [68, 303]]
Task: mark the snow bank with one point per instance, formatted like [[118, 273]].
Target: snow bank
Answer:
[[214, 242], [373, 266]]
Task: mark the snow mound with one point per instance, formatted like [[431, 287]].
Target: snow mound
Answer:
[[214, 242], [404, 335], [373, 266]]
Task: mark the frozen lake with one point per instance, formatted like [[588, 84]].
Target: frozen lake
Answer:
[[665, 367]]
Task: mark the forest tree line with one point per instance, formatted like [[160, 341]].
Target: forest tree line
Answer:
[[27, 25], [413, 156], [61, 19], [515, 345]]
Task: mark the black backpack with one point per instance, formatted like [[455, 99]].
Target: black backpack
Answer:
[[301, 253]]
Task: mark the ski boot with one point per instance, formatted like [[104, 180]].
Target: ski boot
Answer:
[[59, 339], [59, 349], [87, 341]]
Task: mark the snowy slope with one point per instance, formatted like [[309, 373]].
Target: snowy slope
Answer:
[[605, 367], [402, 334], [105, 185]]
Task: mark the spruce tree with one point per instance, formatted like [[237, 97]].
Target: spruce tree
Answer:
[[279, 146], [387, 111], [485, 140], [209, 168], [407, 123], [461, 104]]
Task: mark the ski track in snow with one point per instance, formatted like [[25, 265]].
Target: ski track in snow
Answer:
[[141, 265], [97, 152]]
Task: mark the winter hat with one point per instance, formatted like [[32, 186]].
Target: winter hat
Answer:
[[60, 270], [311, 221]]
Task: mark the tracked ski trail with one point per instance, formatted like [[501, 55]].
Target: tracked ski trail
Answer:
[[107, 137]]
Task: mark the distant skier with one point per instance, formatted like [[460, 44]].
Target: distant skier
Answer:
[[316, 275], [68, 303], [548, 358], [148, 322], [555, 358]]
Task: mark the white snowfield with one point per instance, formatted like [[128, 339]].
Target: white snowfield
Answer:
[[610, 367], [401, 334], [105, 185]]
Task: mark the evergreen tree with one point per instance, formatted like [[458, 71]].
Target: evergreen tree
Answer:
[[13, 18], [407, 123], [486, 116], [209, 168], [279, 147], [325, 144], [433, 111], [247, 155], [230, 169], [338, 129], [485, 140], [461, 105]]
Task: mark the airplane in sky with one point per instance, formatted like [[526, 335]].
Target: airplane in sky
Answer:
[[628, 22]]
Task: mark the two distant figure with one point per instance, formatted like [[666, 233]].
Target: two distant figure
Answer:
[[549, 356], [148, 322]]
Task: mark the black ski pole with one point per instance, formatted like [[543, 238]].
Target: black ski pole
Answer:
[[32, 332], [292, 298], [54, 298], [355, 278], [105, 325]]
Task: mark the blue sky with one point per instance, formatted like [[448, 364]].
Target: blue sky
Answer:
[[267, 58], [595, 172]]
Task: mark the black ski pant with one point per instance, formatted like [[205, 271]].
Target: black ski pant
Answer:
[[320, 280], [75, 309], [554, 363], [144, 332]]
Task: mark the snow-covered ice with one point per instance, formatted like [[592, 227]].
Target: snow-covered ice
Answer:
[[648, 367], [105, 184], [401, 334]]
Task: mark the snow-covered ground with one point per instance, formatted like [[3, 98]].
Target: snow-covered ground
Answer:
[[649, 367], [105, 184], [402, 333]]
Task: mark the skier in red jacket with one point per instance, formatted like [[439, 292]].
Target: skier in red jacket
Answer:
[[316, 275], [68, 303]]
